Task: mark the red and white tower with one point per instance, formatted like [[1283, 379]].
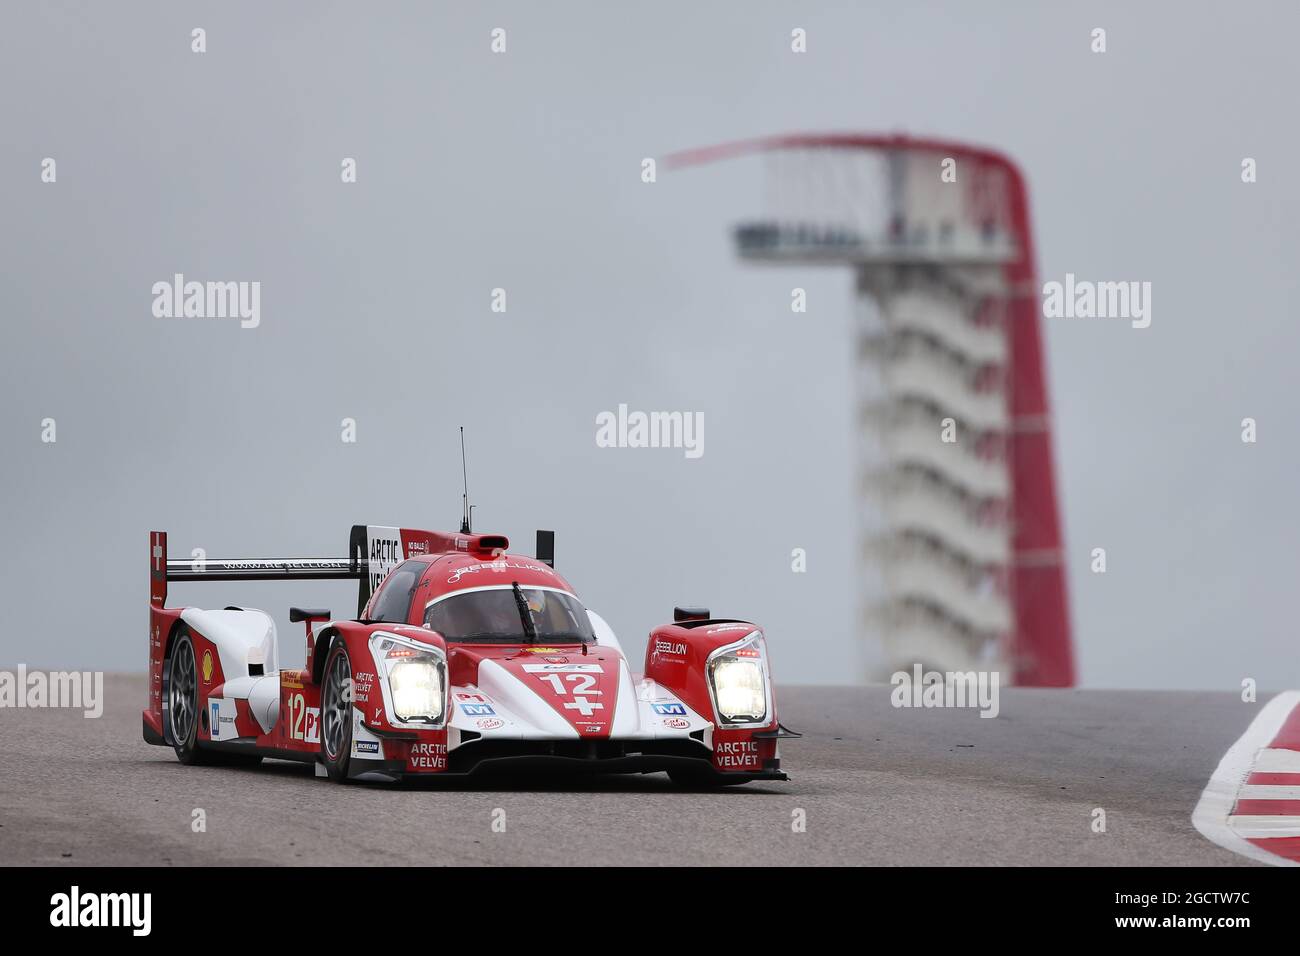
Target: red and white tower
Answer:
[[961, 542]]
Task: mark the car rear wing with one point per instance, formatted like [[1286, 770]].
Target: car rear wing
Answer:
[[373, 551], [163, 569]]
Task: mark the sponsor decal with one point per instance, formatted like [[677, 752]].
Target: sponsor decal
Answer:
[[676, 710], [365, 746], [252, 564], [500, 565], [593, 729], [477, 710], [427, 757], [542, 650], [221, 725], [207, 667], [384, 551], [561, 668], [557, 660], [489, 723], [729, 627], [736, 755], [362, 684], [670, 647], [677, 723], [290, 679]]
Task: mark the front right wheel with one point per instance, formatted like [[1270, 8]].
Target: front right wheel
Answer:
[[336, 714]]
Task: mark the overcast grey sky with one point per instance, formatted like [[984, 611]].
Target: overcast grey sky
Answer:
[[521, 171]]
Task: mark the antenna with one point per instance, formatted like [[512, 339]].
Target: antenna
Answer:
[[464, 474]]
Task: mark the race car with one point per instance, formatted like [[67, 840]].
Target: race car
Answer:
[[463, 658]]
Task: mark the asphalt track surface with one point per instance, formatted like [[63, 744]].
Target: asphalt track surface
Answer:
[[878, 785]]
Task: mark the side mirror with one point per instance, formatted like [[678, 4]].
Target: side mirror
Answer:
[[690, 614], [299, 614], [309, 614], [546, 548]]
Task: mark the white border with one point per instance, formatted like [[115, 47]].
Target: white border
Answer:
[[1220, 795]]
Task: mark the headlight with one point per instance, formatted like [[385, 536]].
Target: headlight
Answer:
[[739, 682], [415, 677], [417, 690]]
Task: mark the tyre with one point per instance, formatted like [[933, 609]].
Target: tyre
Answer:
[[336, 714], [183, 710], [183, 700]]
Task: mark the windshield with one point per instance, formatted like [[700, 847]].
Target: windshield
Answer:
[[495, 616]]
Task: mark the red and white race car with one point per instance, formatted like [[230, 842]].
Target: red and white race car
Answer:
[[463, 658]]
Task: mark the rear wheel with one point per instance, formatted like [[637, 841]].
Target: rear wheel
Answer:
[[336, 714], [183, 700], [183, 711]]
